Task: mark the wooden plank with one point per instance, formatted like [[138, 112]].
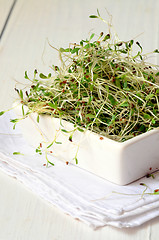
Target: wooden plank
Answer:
[[5, 6], [24, 47]]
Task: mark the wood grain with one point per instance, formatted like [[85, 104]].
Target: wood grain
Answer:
[[5, 6], [24, 46]]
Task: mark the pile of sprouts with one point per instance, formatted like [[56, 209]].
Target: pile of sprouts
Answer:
[[101, 86]]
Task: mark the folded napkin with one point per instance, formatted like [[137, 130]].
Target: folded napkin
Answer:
[[75, 191]]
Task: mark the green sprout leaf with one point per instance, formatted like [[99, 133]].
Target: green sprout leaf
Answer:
[[148, 97], [65, 131], [70, 138], [157, 74], [1, 113], [156, 191], [112, 100], [98, 12], [106, 37], [93, 16], [80, 129], [23, 110], [156, 51], [21, 94], [147, 116], [112, 120], [53, 105], [75, 50], [38, 118], [51, 163], [89, 115], [41, 75], [76, 160], [124, 104], [139, 45], [92, 36], [14, 120], [17, 153], [26, 75], [58, 142], [50, 144]]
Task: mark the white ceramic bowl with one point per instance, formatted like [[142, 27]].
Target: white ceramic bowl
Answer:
[[120, 163]]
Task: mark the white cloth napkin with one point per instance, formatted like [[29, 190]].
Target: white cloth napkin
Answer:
[[81, 194]]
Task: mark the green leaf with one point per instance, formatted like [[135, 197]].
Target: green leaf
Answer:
[[90, 99], [117, 82], [141, 128], [75, 50], [55, 68], [123, 51], [139, 45], [153, 121], [41, 75], [98, 12], [38, 150], [147, 116], [125, 84], [53, 105], [156, 51], [112, 120], [87, 46], [112, 100], [156, 193], [26, 76], [62, 50], [91, 87], [157, 74], [63, 130], [50, 145], [127, 46], [81, 43], [76, 160], [148, 97], [140, 57], [70, 138], [37, 119], [89, 115], [17, 153], [131, 112], [106, 37], [21, 94], [58, 142], [131, 42], [93, 16], [65, 50], [14, 120], [80, 129], [35, 72], [50, 163], [1, 113], [124, 104], [23, 110], [107, 88], [92, 36]]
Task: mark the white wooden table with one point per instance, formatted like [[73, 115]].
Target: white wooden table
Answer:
[[25, 27]]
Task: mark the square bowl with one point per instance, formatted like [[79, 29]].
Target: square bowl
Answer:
[[117, 162]]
